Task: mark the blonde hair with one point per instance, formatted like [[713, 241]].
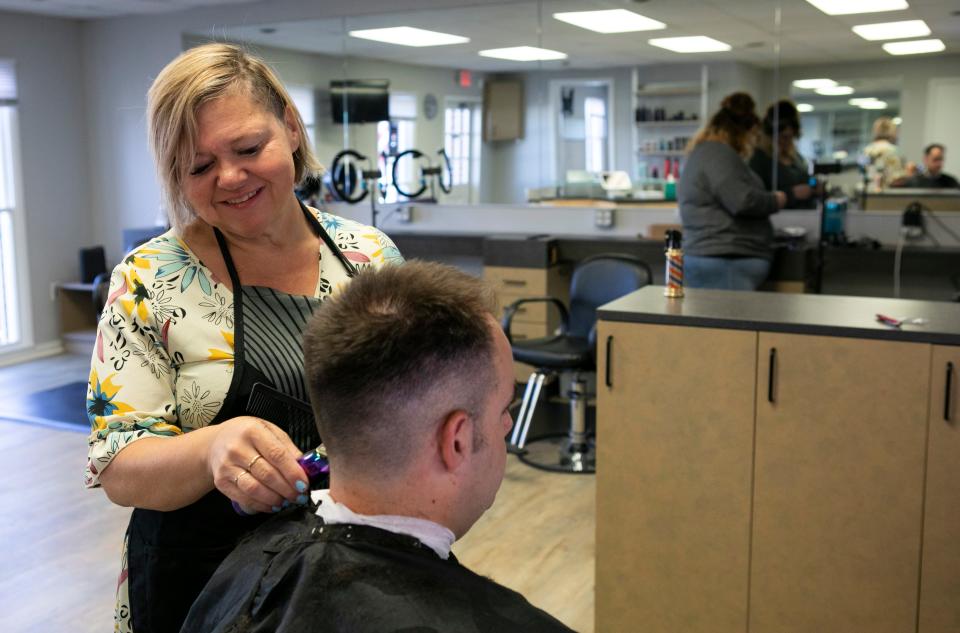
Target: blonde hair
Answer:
[[884, 128], [735, 124], [196, 77]]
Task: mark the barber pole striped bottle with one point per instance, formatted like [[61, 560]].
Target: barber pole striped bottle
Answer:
[[674, 276]]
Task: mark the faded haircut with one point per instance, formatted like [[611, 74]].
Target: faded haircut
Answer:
[[390, 356]]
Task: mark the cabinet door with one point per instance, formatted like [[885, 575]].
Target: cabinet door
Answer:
[[674, 465], [839, 484], [940, 584]]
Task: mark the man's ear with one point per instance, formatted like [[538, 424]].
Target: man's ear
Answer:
[[455, 439]]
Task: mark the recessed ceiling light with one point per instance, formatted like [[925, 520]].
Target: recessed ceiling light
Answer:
[[835, 91], [897, 120], [523, 54], [690, 44], [408, 36], [849, 7], [804, 107], [813, 84], [874, 105], [610, 21], [892, 30], [915, 47], [856, 101]]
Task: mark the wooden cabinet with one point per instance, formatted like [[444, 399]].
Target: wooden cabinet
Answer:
[[502, 110], [838, 489], [674, 453], [940, 579], [534, 320], [793, 492]]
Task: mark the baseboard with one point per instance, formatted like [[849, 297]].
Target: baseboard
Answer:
[[41, 350]]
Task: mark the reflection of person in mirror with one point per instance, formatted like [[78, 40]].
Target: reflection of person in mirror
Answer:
[[884, 162], [724, 208], [931, 175], [791, 168], [411, 380]]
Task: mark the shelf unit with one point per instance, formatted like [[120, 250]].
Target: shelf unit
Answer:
[[657, 143]]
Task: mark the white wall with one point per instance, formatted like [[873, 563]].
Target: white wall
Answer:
[[55, 168]]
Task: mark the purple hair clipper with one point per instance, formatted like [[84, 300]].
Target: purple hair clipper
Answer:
[[314, 464]]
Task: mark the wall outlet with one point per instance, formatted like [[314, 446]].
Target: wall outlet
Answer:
[[405, 214], [603, 218]]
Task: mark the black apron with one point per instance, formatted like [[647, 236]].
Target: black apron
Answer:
[[172, 555]]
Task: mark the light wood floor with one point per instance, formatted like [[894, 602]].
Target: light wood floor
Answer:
[[61, 543]]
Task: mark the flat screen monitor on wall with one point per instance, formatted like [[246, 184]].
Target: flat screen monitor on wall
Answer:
[[362, 100]]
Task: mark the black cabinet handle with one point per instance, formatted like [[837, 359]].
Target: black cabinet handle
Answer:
[[773, 369], [946, 393], [606, 378]]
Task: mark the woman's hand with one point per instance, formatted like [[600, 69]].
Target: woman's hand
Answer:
[[781, 199], [254, 463], [802, 192]]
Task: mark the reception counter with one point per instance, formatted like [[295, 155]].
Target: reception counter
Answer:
[[777, 463]]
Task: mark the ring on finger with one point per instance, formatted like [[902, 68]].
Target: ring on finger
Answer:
[[254, 461], [236, 480]]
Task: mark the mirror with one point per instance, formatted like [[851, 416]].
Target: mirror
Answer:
[[836, 127], [614, 104]]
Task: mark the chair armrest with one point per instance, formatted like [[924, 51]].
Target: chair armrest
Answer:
[[511, 310]]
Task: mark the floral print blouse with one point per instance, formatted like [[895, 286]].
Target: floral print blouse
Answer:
[[163, 358]]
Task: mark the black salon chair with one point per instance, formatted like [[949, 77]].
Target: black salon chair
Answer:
[[571, 351]]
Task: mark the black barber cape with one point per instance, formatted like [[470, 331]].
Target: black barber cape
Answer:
[[296, 575]]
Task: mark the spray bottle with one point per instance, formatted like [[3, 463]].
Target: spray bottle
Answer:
[[674, 275]]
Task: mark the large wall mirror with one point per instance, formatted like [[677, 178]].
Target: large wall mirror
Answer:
[[573, 112]]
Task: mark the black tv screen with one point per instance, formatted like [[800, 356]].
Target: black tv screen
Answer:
[[361, 100]]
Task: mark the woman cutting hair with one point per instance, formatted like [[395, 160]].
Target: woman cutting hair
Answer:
[[200, 339], [724, 207]]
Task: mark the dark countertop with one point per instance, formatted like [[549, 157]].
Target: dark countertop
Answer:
[[824, 315]]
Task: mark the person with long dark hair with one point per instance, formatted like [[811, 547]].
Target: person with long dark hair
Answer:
[[792, 177]]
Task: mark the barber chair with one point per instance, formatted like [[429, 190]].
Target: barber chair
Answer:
[[570, 353]]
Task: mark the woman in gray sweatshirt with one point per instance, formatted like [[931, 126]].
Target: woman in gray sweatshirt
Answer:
[[724, 207]]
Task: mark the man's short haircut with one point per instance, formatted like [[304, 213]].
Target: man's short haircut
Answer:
[[932, 146], [391, 355]]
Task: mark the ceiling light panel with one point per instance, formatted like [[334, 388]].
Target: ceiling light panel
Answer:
[[813, 84], [409, 36], [892, 30], [690, 44], [914, 48], [856, 101], [610, 21], [850, 7], [523, 54], [874, 105], [835, 91], [804, 107]]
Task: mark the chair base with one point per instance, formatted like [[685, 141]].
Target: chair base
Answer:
[[556, 453]]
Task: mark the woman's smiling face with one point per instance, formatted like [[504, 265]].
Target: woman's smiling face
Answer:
[[242, 174]]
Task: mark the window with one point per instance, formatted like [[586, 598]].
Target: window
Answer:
[[396, 136], [595, 132], [303, 99], [10, 331], [461, 140]]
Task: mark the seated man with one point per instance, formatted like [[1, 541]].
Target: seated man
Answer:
[[411, 380], [932, 176]]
